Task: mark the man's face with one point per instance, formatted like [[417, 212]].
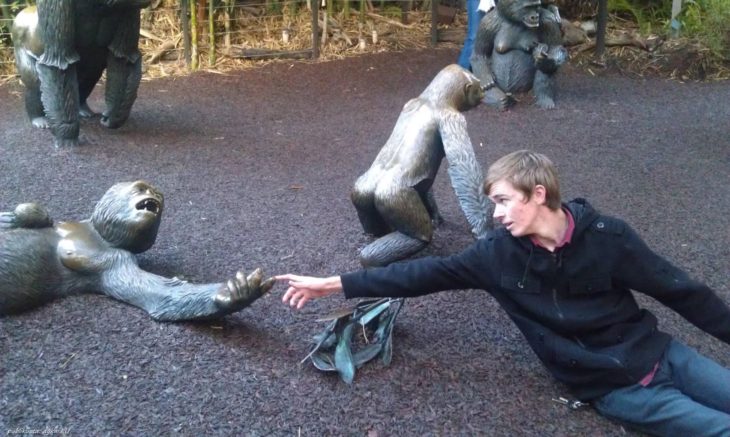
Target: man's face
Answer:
[[513, 209]]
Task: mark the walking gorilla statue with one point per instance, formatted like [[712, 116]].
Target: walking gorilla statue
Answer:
[[394, 199], [40, 260], [61, 50], [519, 47]]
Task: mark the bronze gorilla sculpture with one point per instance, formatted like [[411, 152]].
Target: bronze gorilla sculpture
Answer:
[[62, 47], [40, 260], [394, 199], [519, 47]]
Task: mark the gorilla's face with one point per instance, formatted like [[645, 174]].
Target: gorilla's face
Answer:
[[128, 216], [526, 12]]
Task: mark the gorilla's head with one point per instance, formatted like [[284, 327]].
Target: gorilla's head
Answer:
[[128, 216], [455, 87], [526, 12]]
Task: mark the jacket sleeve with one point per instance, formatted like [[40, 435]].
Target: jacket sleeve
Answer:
[[643, 270], [421, 276]]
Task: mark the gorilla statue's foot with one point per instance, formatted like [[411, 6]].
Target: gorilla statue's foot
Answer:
[[61, 143], [112, 122], [545, 102], [85, 111], [40, 123]]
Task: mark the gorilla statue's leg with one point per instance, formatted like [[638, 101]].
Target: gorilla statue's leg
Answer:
[[60, 97], [433, 210], [363, 197], [405, 211], [90, 68], [123, 79], [33, 105], [124, 70], [390, 248], [544, 90]]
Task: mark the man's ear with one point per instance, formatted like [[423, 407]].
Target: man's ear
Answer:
[[539, 193]]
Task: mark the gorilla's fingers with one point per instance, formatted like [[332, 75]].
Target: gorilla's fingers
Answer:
[[255, 278], [243, 283], [267, 285]]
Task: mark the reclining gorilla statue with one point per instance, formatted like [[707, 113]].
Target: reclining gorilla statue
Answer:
[[519, 47], [394, 199], [61, 50], [40, 260]]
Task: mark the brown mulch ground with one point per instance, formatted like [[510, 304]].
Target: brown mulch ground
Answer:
[[256, 167]]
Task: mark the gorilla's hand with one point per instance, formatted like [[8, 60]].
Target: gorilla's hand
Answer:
[[26, 215], [241, 291]]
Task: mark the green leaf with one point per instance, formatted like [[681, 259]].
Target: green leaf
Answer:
[[373, 313], [366, 354], [388, 347], [343, 355], [323, 361]]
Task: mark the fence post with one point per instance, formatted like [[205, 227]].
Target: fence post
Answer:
[[315, 29], [185, 24], [601, 30], [434, 22]]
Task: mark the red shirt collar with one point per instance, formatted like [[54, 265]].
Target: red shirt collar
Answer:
[[568, 232]]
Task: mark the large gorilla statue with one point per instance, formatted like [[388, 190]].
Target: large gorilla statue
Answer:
[[61, 50], [519, 47], [40, 261], [394, 199]]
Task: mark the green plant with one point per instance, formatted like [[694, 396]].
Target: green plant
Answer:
[[340, 349]]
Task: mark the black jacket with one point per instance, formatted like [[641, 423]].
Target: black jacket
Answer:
[[574, 306]]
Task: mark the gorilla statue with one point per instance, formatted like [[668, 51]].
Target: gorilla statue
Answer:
[[40, 260], [62, 47], [519, 47], [394, 199]]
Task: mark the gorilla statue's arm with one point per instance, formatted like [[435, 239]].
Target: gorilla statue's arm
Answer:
[[26, 215], [465, 172], [56, 69], [172, 299], [124, 70], [483, 46]]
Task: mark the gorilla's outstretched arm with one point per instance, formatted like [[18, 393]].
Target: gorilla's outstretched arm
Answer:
[[171, 299], [465, 172]]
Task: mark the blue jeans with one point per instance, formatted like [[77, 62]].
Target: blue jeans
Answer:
[[473, 17], [689, 396]]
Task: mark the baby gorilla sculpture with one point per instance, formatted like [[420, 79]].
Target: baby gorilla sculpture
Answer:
[[61, 49], [394, 199], [519, 47], [40, 261]]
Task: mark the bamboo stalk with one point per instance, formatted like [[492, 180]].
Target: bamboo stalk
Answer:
[[227, 9], [211, 35], [194, 34]]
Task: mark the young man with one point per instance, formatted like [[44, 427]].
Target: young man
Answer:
[[564, 273]]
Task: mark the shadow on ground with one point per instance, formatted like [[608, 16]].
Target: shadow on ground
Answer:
[[256, 168]]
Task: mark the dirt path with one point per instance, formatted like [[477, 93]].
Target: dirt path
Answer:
[[256, 167]]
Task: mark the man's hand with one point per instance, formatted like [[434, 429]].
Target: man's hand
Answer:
[[305, 288]]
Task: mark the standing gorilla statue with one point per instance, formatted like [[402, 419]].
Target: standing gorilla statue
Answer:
[[519, 47], [394, 200], [40, 261], [61, 50]]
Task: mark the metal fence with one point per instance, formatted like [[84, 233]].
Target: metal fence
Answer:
[[193, 34]]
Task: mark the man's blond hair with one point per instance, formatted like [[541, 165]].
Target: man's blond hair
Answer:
[[525, 169]]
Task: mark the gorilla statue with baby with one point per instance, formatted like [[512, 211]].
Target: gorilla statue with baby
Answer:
[[518, 47], [62, 47]]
